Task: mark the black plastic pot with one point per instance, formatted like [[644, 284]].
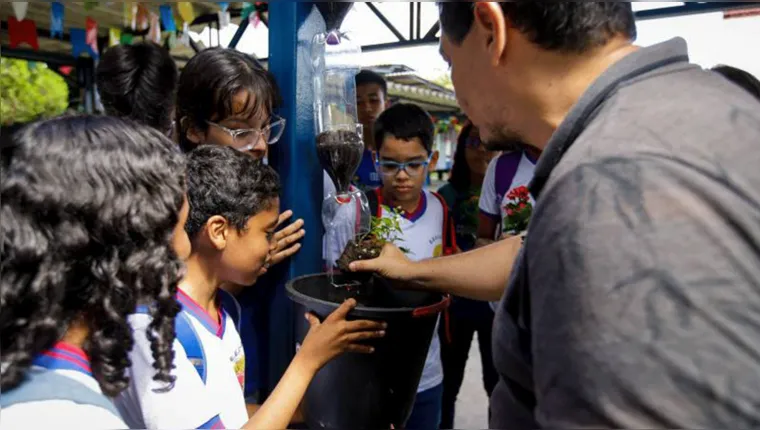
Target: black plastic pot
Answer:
[[374, 391]]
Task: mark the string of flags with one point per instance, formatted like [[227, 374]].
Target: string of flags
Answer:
[[138, 17]]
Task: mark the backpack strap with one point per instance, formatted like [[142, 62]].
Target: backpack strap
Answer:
[[231, 306], [188, 338], [375, 199], [506, 169], [41, 386], [449, 230]]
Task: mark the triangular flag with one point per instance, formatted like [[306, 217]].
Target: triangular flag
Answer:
[[171, 41], [224, 5], [56, 19], [126, 38], [142, 18], [129, 8], [224, 19], [167, 18], [154, 34], [91, 37], [19, 9], [79, 44], [186, 11], [185, 39], [248, 8], [114, 36], [22, 32]]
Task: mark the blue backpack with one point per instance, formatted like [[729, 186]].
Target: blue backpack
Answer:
[[188, 337], [47, 385]]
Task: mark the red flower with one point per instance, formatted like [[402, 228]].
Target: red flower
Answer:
[[522, 206], [510, 212]]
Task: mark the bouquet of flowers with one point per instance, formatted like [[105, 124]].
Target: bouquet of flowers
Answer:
[[518, 210]]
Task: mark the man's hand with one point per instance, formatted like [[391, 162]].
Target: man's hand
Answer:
[[286, 240], [391, 264]]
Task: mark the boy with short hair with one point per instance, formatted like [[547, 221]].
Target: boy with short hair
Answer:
[[234, 208], [404, 138]]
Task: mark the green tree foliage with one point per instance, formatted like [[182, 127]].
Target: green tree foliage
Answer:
[[30, 93]]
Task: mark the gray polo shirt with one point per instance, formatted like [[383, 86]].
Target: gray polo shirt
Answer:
[[636, 300]]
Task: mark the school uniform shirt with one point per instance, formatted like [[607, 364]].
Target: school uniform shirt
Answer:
[[190, 403], [70, 362], [423, 237], [505, 173]]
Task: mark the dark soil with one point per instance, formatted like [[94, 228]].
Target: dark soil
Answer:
[[340, 153], [367, 249]]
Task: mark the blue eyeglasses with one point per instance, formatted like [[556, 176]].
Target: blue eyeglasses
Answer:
[[412, 168]]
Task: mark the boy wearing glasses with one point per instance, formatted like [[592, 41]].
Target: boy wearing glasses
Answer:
[[404, 139]]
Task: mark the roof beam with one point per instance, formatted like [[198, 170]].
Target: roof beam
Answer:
[[385, 21]]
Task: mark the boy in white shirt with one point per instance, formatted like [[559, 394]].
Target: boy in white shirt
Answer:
[[234, 209], [404, 138]]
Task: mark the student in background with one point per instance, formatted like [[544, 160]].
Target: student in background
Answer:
[[139, 82], [466, 317], [226, 98], [404, 138], [92, 220], [234, 207]]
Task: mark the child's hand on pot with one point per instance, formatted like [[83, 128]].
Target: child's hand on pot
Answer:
[[334, 336], [391, 264]]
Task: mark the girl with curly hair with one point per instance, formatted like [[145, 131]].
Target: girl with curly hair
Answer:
[[92, 213]]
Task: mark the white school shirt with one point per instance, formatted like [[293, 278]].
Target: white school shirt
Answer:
[[505, 173], [219, 403], [423, 238], [70, 362]]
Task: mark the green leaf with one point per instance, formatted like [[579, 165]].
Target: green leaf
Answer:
[[28, 94]]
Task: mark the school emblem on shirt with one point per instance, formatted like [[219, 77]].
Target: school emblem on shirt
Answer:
[[238, 360]]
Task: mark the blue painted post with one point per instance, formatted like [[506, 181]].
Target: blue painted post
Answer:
[[292, 25]]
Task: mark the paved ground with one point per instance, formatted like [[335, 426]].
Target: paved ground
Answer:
[[472, 403]]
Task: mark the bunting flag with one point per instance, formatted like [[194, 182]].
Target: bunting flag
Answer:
[[19, 9], [154, 34], [248, 9], [185, 39], [92, 34], [142, 18], [129, 13], [171, 41], [24, 31], [167, 18], [56, 20], [79, 44], [224, 19], [114, 36], [186, 11], [126, 38], [224, 5]]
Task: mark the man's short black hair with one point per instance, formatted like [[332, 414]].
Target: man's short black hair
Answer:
[[139, 82], [226, 182], [369, 77], [565, 26], [405, 121], [741, 78]]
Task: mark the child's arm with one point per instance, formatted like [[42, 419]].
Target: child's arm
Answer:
[[325, 341]]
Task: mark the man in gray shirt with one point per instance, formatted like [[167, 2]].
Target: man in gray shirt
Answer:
[[635, 300]]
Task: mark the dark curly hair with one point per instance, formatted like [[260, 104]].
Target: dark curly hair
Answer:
[[208, 84], [564, 26], [741, 78], [460, 170], [139, 82], [87, 210], [224, 181]]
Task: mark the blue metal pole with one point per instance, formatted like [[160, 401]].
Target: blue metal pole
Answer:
[[292, 25]]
